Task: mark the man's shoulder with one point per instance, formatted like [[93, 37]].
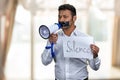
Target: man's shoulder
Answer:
[[82, 34]]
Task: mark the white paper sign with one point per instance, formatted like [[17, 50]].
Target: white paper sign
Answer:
[[78, 47]]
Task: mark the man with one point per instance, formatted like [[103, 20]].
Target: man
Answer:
[[68, 68]]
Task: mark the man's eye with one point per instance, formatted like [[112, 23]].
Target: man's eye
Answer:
[[59, 16], [65, 16]]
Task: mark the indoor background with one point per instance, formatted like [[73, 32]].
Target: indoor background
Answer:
[[21, 45]]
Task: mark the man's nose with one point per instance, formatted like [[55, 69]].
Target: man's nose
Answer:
[[61, 19]]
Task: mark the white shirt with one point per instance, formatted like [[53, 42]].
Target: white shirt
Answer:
[[68, 68]]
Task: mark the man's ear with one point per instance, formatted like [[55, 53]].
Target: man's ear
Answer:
[[74, 18]]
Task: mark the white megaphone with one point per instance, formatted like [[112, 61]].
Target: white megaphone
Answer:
[[45, 31]]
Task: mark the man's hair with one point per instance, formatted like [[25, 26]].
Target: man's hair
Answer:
[[68, 7]]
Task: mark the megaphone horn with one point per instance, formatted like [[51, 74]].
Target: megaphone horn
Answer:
[[45, 31]]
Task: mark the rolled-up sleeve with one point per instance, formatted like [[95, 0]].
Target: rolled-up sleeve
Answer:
[[95, 63], [46, 56]]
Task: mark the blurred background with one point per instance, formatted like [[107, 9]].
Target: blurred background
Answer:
[[21, 45]]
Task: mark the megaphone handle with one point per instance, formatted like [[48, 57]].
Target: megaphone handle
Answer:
[[52, 51]]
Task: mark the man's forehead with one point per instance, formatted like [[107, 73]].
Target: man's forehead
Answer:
[[64, 12]]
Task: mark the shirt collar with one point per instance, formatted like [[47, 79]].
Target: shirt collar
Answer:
[[75, 33]]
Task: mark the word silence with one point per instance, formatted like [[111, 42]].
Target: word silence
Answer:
[[78, 47]]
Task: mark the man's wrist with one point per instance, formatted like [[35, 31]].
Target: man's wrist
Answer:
[[94, 56]]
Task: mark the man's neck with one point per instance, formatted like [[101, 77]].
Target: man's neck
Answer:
[[69, 30]]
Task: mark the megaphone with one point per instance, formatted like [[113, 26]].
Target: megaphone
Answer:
[[45, 31]]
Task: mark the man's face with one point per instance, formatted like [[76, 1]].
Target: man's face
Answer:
[[66, 16]]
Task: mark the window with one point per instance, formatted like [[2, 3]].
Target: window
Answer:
[[19, 57]]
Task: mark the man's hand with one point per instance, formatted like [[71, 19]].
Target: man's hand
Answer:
[[95, 50], [53, 38]]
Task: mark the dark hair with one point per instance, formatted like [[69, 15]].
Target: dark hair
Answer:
[[68, 7]]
